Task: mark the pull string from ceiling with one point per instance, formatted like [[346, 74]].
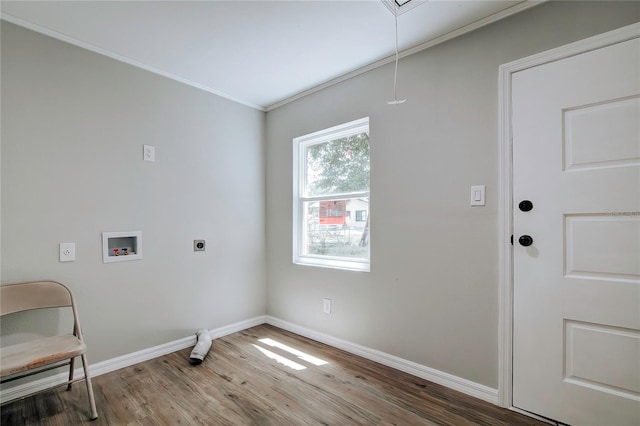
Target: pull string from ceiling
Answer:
[[395, 100]]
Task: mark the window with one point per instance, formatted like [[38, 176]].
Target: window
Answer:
[[331, 179]]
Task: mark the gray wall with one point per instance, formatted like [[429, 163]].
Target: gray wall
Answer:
[[73, 126], [432, 294]]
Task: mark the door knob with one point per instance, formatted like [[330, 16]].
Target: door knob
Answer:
[[525, 240], [525, 205]]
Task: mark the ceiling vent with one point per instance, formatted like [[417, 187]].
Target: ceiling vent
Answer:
[[398, 7]]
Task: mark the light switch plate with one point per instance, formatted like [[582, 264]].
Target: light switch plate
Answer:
[[67, 252], [477, 195]]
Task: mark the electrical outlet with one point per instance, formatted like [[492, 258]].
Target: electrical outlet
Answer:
[[199, 245], [327, 306], [148, 153], [67, 252]]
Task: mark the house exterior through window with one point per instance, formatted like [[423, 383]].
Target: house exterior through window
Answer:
[[331, 197]]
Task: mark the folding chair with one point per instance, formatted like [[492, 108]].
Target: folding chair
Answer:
[[47, 353]]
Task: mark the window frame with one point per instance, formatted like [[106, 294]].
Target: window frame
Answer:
[[360, 214], [300, 198]]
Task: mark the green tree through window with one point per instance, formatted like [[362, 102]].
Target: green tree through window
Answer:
[[342, 165]]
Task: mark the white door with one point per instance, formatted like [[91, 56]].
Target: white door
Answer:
[[576, 158]]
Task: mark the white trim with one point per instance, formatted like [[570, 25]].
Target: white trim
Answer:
[[361, 125], [344, 264], [527, 4], [123, 361], [505, 227], [449, 380], [238, 326], [457, 383], [300, 145], [74, 41]]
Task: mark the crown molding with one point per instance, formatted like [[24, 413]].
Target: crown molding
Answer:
[[527, 4], [113, 55]]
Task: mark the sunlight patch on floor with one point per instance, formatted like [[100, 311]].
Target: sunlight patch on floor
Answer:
[[301, 355], [280, 359]]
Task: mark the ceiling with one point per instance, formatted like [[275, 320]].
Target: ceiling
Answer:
[[259, 53]]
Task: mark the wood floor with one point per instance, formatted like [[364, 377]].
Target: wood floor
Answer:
[[239, 384]]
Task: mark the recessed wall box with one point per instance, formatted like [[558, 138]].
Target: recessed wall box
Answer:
[[120, 246]]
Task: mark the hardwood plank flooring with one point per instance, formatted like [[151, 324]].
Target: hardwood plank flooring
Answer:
[[240, 383]]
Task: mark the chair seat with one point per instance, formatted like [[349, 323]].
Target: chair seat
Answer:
[[39, 353], [48, 353]]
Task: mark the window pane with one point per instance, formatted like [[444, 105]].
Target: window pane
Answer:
[[331, 228], [338, 166]]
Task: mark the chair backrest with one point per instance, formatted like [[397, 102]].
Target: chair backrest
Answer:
[[34, 295], [40, 355]]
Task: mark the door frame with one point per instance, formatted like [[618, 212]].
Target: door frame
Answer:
[[505, 206]]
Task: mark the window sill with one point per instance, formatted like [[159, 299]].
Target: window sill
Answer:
[[347, 265]]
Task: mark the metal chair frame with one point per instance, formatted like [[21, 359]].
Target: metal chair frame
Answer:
[[47, 353]]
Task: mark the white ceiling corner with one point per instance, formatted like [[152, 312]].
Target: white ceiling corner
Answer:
[[259, 53]]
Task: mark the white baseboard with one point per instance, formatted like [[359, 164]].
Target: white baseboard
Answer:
[[123, 361], [457, 383], [449, 380]]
